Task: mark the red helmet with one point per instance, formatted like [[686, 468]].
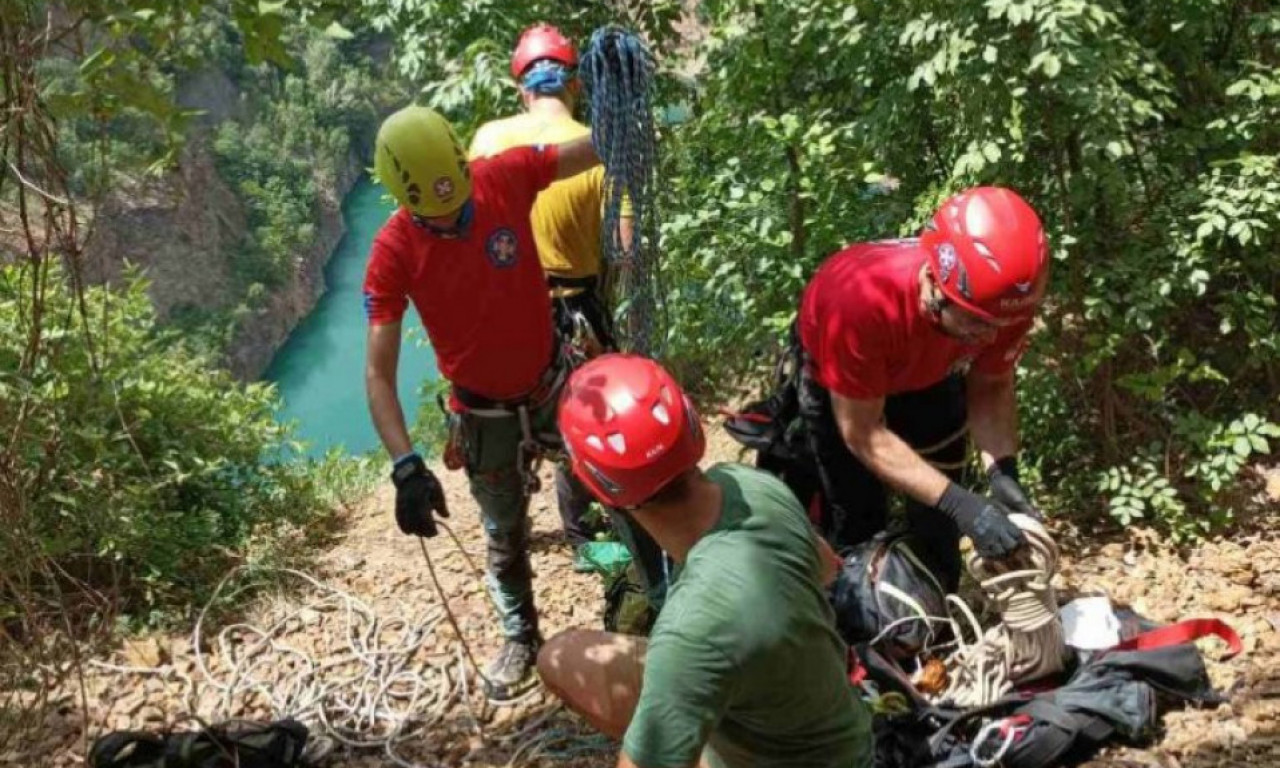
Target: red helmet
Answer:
[[542, 41], [628, 428], [988, 253]]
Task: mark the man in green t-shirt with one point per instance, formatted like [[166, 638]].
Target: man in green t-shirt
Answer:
[[744, 667]]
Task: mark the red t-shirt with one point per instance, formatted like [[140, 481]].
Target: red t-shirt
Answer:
[[861, 325], [482, 297]]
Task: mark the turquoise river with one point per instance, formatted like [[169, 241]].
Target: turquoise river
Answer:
[[320, 369]]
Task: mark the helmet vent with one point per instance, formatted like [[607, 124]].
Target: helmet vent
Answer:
[[986, 253], [595, 442], [661, 414], [617, 442]]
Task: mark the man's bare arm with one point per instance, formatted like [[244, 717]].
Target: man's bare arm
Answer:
[[993, 416], [575, 157], [382, 361], [862, 426]]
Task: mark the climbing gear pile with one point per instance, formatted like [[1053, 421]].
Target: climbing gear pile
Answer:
[[887, 597], [618, 72], [946, 693], [339, 673]]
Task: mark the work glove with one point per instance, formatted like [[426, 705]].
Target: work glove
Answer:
[[1005, 488], [983, 520], [418, 495]]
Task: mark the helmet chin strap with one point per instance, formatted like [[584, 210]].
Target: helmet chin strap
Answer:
[[459, 228], [933, 299]]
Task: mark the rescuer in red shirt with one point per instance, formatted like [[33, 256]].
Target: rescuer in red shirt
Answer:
[[460, 248], [907, 346]]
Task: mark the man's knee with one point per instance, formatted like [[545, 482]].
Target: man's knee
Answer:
[[596, 674], [553, 660]]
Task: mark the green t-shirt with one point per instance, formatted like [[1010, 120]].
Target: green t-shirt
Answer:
[[745, 657]]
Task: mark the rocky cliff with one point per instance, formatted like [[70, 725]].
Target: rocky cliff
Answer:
[[260, 336], [184, 230]]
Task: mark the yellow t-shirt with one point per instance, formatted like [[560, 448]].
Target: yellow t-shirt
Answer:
[[566, 216]]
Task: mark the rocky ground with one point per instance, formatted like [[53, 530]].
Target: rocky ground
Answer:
[[1238, 580]]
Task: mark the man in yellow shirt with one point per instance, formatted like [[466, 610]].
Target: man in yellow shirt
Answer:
[[566, 223]]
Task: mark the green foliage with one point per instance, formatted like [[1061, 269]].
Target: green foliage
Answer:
[[430, 428], [142, 460], [302, 130], [1144, 133], [459, 50]]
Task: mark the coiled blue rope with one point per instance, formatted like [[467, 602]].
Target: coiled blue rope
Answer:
[[618, 72]]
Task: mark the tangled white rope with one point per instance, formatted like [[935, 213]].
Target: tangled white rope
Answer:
[[363, 679], [1028, 642], [370, 687]]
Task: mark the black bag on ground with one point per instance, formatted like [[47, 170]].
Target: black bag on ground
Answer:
[[886, 596], [235, 744], [774, 430], [1111, 696]]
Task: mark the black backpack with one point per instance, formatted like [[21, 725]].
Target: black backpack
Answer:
[[235, 744], [774, 430], [886, 597]]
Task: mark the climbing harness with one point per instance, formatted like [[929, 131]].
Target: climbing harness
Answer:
[[618, 72], [534, 446]]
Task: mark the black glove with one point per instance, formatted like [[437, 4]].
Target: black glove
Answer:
[[418, 494], [1005, 488], [982, 520]]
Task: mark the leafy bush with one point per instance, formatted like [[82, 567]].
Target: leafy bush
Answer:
[[147, 467], [1144, 133]]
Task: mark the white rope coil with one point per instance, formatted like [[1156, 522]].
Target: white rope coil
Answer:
[[1028, 642]]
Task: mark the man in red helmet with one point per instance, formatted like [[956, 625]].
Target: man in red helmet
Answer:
[[908, 345], [744, 666], [566, 223]]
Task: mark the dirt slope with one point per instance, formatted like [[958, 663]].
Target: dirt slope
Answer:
[[1237, 580]]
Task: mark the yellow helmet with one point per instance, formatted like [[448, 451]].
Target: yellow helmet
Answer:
[[419, 160]]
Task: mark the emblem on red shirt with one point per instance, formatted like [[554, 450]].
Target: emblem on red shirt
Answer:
[[443, 187], [502, 247]]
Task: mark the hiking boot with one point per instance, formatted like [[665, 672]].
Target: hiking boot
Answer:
[[508, 675]]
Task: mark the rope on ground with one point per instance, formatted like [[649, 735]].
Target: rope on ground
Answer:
[[372, 684], [1028, 642], [618, 71], [370, 687]]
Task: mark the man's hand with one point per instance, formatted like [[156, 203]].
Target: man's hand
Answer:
[[1005, 488], [418, 494], [984, 521]]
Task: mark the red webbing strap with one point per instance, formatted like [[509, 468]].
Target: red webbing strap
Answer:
[[857, 672], [756, 418], [1184, 632]]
